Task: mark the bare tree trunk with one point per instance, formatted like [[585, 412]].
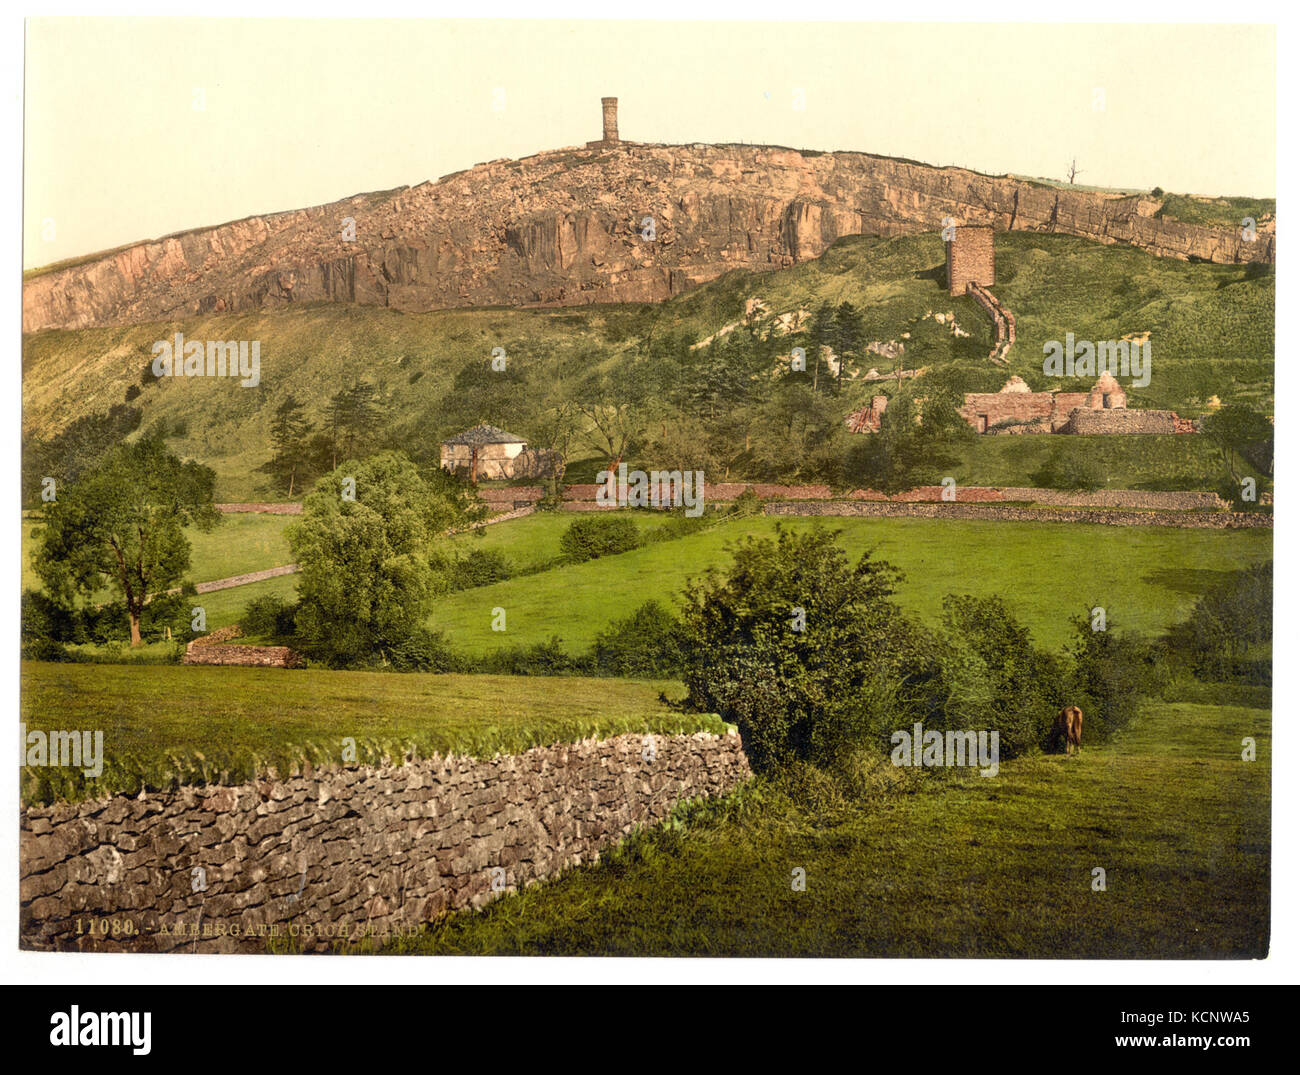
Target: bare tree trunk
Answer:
[[135, 628]]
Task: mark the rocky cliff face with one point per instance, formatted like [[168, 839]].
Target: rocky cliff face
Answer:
[[568, 227]]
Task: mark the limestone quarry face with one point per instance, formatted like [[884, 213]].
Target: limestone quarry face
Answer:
[[568, 227]]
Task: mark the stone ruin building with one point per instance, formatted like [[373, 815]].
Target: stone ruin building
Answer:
[[1017, 409]]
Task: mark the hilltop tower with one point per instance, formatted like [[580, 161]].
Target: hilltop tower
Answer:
[[970, 258], [609, 114]]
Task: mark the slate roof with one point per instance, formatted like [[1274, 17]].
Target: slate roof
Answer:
[[485, 434]]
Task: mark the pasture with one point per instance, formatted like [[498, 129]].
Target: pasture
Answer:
[[941, 866]]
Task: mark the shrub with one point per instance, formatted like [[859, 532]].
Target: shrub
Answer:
[[541, 659], [480, 567], [424, 651], [647, 644], [777, 644], [595, 535], [1227, 621], [747, 504], [268, 617], [1068, 469], [1112, 674]]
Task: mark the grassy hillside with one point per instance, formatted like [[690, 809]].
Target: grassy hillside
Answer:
[[1211, 326], [960, 867], [1147, 578], [220, 725]]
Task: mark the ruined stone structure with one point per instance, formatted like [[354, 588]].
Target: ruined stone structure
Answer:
[[216, 648], [338, 854], [561, 228], [486, 452], [1004, 324], [969, 258], [1015, 409], [867, 420]]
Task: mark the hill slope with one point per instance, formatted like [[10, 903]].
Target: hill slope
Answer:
[[1212, 334]]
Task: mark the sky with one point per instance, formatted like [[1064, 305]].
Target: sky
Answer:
[[136, 128]]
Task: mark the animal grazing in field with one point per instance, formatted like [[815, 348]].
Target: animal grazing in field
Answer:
[[1069, 726]]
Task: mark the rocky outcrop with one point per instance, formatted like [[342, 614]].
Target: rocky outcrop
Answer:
[[568, 227]]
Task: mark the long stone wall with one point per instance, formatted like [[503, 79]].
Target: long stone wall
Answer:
[[1187, 520], [344, 853]]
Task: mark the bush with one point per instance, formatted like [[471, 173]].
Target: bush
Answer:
[[1226, 623], [424, 651], [480, 567], [1070, 470], [777, 644], [595, 535], [747, 504], [1112, 674], [647, 644], [268, 617], [540, 659]]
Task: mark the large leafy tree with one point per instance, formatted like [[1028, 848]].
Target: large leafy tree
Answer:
[[788, 633], [121, 525], [366, 580]]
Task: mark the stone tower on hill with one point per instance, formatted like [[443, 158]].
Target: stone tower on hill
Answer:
[[970, 258], [609, 115], [609, 123]]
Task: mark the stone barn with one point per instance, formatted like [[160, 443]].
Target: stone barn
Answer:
[[486, 452]]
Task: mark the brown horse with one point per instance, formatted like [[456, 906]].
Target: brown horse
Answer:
[[1069, 726]]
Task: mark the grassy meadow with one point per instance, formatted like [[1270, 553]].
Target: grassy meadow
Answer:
[[938, 866], [1146, 578], [196, 724]]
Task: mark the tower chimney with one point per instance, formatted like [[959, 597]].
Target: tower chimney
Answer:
[[609, 109]]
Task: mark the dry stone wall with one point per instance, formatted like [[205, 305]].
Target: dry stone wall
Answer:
[[344, 854], [1186, 520]]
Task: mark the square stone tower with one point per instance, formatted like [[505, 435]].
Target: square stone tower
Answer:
[[970, 258]]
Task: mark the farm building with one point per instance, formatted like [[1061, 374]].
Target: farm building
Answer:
[[486, 452]]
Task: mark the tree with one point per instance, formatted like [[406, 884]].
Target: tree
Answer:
[[821, 333], [352, 418], [366, 580], [850, 338], [785, 636], [122, 525], [77, 448], [289, 434], [1237, 433], [1073, 169]]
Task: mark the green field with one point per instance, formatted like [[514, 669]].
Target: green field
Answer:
[[236, 545], [1146, 578], [960, 867], [202, 724]]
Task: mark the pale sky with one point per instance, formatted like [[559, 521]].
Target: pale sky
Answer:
[[140, 127]]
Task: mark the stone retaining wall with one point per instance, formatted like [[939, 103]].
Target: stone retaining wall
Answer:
[[1223, 520], [340, 853], [246, 656]]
